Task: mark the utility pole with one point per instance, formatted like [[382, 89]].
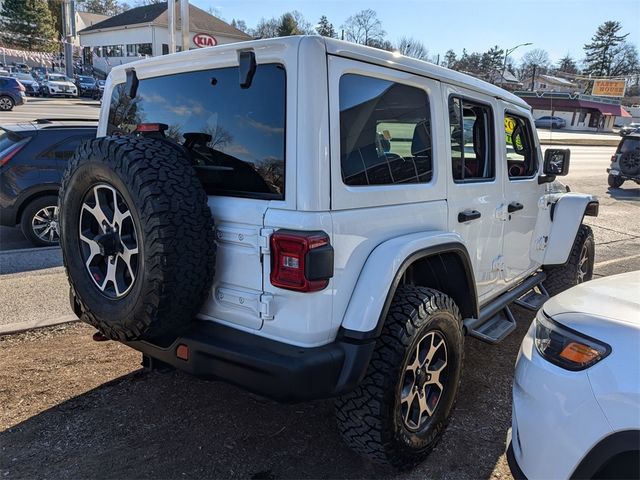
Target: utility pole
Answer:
[[184, 24], [68, 32], [171, 13], [533, 77]]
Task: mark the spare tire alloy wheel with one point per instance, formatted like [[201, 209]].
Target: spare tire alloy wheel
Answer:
[[108, 241], [137, 238], [630, 163]]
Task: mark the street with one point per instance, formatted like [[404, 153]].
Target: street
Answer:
[[42, 107]]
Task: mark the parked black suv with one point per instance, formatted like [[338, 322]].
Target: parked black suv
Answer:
[[33, 157]]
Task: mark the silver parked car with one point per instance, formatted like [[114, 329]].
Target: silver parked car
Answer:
[[551, 122]]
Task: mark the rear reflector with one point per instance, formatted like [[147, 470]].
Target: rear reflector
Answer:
[[182, 352], [301, 261]]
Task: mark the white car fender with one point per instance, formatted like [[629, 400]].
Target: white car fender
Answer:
[[566, 216], [379, 273]]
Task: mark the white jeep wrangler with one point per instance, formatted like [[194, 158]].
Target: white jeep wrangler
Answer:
[[309, 218]]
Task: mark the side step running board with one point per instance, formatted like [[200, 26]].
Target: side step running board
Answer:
[[495, 321], [534, 298]]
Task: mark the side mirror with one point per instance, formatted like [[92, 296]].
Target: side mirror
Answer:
[[556, 161]]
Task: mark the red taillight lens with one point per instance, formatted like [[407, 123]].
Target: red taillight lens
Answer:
[[613, 158], [301, 261], [21, 87], [11, 152]]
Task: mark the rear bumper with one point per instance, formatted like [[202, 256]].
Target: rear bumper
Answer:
[[280, 371]]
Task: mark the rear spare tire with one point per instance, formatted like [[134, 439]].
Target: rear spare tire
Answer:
[[137, 237]]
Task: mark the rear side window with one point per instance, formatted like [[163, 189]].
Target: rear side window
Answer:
[[522, 160], [8, 139], [385, 132], [629, 144], [235, 136], [472, 152], [65, 149]]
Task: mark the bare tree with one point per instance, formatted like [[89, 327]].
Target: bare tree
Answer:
[[537, 57], [266, 28], [364, 27], [412, 48]]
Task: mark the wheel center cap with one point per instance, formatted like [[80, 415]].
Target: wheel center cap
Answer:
[[109, 243], [422, 377]]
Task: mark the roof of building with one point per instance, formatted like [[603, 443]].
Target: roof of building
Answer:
[[557, 80], [156, 13], [560, 101], [89, 18]]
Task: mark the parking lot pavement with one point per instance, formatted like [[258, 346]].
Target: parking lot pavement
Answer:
[[40, 107], [74, 408]]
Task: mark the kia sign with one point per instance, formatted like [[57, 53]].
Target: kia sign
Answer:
[[204, 40]]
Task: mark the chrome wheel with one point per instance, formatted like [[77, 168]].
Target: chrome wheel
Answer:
[[108, 241], [583, 264], [422, 383], [45, 224]]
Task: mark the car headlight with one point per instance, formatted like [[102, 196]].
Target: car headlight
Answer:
[[565, 347]]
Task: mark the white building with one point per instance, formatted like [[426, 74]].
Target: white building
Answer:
[[143, 31], [84, 20]]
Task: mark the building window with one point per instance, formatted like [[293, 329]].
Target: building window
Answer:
[[385, 132], [113, 51], [471, 129], [138, 49]]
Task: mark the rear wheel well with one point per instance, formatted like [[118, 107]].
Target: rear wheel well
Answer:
[[31, 198], [449, 273]]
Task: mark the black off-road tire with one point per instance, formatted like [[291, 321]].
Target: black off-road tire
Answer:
[[370, 417], [615, 181], [562, 277], [176, 259]]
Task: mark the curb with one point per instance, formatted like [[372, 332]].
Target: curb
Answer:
[[20, 327], [581, 142]]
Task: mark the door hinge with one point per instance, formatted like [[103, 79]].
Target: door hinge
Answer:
[[501, 213], [263, 240], [541, 243], [265, 306]]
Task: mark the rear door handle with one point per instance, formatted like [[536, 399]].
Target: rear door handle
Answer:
[[514, 207], [468, 215]]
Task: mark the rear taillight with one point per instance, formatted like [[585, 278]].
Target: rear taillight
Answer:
[[613, 158], [301, 261], [11, 152], [21, 87]]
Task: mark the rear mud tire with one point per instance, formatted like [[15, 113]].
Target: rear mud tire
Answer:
[[371, 418], [175, 239], [615, 181]]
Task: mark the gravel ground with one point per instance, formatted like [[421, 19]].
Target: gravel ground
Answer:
[[73, 408]]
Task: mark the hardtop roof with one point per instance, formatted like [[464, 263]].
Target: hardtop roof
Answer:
[[355, 52]]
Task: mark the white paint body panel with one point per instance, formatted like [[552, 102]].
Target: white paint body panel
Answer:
[[372, 229], [580, 408], [567, 217]]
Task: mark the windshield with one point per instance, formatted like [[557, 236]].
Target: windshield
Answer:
[[23, 76], [85, 79], [58, 78]]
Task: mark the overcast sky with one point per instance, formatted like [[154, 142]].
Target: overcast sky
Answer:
[[558, 26]]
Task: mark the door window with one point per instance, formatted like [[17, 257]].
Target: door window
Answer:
[[522, 160], [471, 129], [385, 132]]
